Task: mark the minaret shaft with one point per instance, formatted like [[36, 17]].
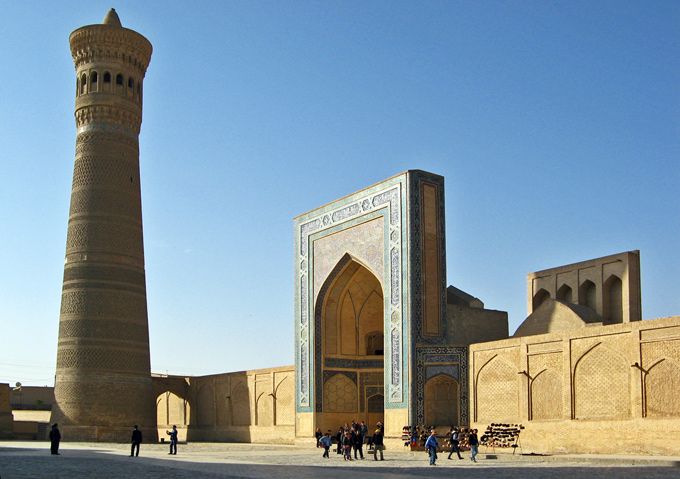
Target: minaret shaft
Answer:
[[103, 381]]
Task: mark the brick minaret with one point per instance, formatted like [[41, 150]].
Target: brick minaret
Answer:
[[103, 380]]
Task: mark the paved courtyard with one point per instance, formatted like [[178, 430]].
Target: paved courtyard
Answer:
[[23, 460]]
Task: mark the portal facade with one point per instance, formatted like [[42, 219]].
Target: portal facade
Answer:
[[371, 307]]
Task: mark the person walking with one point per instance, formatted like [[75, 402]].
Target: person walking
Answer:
[[173, 440], [318, 435], [431, 445], [357, 443], [55, 437], [473, 441], [454, 443], [378, 445], [136, 441], [326, 442]]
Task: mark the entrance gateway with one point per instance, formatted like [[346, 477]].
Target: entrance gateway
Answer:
[[370, 305]]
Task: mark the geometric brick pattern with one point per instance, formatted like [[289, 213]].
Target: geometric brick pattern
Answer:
[[105, 202], [123, 400], [105, 171], [602, 384], [119, 237], [107, 303], [497, 392], [92, 141], [340, 394], [285, 401], [109, 328], [103, 360], [546, 396], [662, 384]]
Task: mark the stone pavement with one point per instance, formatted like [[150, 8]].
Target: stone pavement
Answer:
[[24, 460]]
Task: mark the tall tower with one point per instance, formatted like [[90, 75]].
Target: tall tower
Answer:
[[103, 381]]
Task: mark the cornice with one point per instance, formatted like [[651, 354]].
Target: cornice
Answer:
[[106, 42]]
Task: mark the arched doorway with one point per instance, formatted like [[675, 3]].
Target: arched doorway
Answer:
[[375, 408], [441, 401], [352, 347]]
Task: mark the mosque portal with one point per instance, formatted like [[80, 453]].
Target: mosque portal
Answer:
[[370, 290]]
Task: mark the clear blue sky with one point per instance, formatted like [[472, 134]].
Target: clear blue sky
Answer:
[[555, 124]]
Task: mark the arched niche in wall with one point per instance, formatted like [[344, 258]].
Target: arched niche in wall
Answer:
[[442, 395], [612, 300], [565, 293], [587, 295], [539, 298], [601, 384]]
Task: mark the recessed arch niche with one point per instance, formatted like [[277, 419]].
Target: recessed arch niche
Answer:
[[352, 345], [353, 310]]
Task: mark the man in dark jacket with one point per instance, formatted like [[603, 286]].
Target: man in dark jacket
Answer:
[[173, 440], [55, 437], [454, 443], [136, 441], [378, 445], [473, 441], [357, 443]]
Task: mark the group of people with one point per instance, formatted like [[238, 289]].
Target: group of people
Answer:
[[352, 438], [55, 439], [432, 445]]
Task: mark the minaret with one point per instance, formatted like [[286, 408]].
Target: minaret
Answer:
[[103, 381]]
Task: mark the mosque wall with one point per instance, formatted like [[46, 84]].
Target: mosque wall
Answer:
[[248, 406], [600, 389]]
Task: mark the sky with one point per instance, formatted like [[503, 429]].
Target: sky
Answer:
[[555, 124]]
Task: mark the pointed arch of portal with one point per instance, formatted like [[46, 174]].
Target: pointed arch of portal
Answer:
[[349, 314]]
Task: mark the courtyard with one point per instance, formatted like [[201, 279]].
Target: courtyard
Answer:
[[23, 460]]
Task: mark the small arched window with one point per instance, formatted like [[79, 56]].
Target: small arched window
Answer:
[[119, 79], [83, 83], [131, 83], [94, 78], [107, 77]]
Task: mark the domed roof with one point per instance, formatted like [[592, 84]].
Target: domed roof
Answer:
[[111, 18], [556, 316]]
